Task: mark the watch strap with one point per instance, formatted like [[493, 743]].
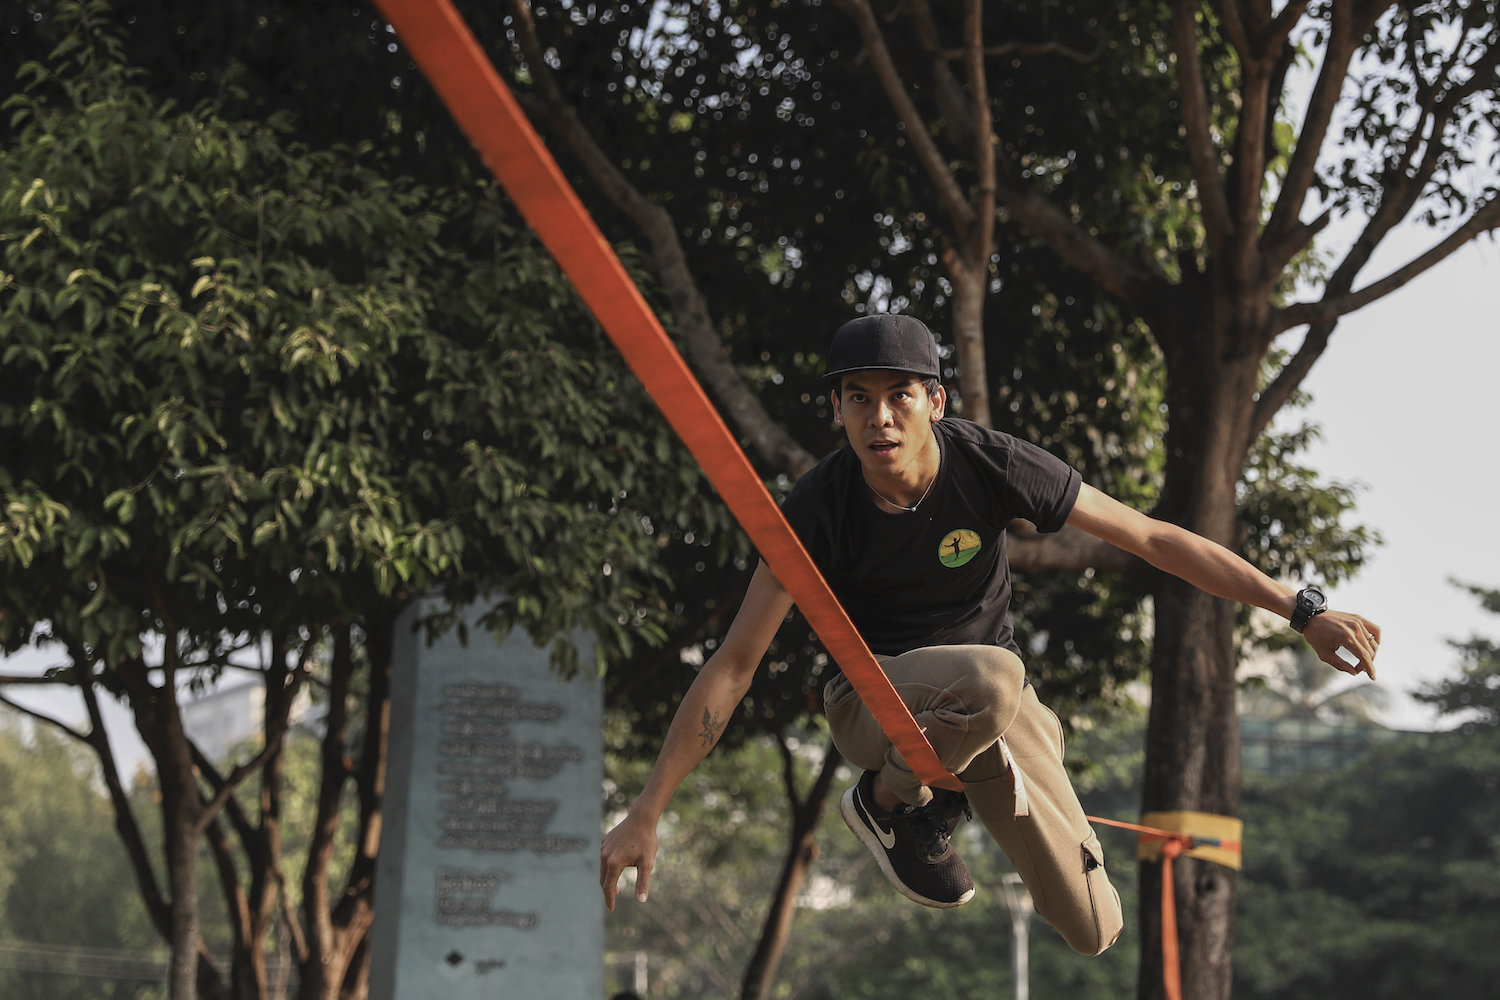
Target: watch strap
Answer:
[[1304, 610]]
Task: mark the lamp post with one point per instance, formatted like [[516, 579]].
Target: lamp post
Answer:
[[1018, 901]]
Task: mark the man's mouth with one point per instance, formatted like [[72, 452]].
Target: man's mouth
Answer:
[[883, 447]]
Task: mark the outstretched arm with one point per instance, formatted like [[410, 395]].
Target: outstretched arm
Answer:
[[1212, 568], [705, 710]]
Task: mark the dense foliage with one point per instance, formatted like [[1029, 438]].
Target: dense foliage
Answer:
[[233, 361]]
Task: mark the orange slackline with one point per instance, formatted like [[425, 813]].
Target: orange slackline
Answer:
[[447, 52], [1173, 845]]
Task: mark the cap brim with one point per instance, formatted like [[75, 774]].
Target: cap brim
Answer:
[[829, 376]]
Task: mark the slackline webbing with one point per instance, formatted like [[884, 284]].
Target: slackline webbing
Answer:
[[1175, 843], [446, 51]]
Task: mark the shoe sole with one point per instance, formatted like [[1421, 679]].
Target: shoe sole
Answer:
[[857, 826]]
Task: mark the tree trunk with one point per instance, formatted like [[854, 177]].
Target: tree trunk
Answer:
[[969, 280], [1192, 762], [1192, 735], [760, 974], [159, 721], [336, 963], [182, 881], [323, 968], [357, 978]]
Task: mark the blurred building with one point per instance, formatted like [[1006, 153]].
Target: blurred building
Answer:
[[1292, 746], [227, 718]]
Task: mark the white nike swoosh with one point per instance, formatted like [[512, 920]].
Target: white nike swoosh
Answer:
[[886, 837]]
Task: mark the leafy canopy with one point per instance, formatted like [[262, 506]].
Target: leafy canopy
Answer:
[[252, 381]]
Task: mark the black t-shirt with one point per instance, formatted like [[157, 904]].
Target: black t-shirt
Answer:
[[938, 575]]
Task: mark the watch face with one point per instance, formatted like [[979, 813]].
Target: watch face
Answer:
[[1312, 597]]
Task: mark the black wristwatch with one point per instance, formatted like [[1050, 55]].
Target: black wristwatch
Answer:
[[1310, 602]]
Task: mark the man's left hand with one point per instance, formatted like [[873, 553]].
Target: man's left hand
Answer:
[[1329, 631]]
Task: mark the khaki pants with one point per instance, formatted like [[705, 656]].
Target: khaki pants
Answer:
[[967, 698]]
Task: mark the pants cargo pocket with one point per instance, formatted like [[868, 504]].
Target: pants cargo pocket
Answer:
[[1103, 899]]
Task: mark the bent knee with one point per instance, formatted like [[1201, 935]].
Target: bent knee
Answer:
[[995, 685], [1099, 935], [1087, 912], [1100, 921]]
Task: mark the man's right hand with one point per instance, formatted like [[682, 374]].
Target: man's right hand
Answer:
[[632, 844], [709, 704]]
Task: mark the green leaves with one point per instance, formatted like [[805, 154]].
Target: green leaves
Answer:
[[1474, 695], [31, 518], [256, 385]]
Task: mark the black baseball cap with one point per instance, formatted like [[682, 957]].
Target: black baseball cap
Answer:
[[872, 343]]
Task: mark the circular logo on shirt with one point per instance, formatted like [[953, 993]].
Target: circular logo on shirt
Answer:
[[958, 547]]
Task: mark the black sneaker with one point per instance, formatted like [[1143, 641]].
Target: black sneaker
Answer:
[[911, 843]]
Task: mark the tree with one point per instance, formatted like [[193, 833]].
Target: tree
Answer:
[[1475, 694], [257, 395]]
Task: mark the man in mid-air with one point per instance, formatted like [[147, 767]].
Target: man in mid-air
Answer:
[[907, 524]]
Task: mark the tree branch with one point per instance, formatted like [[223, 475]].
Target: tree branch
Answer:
[[932, 160], [1401, 191], [706, 349], [1128, 282], [1132, 284], [1234, 29], [316, 907], [125, 823], [789, 775], [1070, 550], [1195, 119], [1263, 64], [1275, 395], [1277, 250], [1343, 41], [1033, 49], [946, 91], [22, 680], [236, 904], [812, 804], [369, 777], [289, 912], [685, 944], [57, 724], [242, 825], [236, 778], [1330, 309], [982, 226], [1280, 28]]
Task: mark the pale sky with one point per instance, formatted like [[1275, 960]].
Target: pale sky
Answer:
[[1406, 397]]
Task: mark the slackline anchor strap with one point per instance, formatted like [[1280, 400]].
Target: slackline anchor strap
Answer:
[[445, 49], [1200, 835]]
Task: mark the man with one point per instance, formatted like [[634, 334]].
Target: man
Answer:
[[907, 524]]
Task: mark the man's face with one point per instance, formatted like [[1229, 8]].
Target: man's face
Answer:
[[888, 416]]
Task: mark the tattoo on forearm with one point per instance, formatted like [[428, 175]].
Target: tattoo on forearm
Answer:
[[711, 728]]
